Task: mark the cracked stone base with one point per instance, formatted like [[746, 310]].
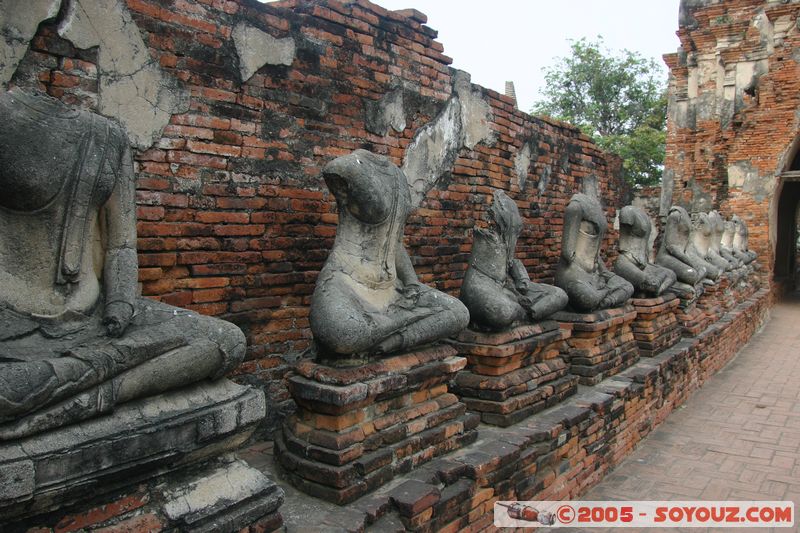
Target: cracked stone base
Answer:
[[357, 428], [602, 343], [142, 443], [655, 327], [513, 374]]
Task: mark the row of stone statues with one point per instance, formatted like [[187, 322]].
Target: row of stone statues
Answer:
[[369, 302], [75, 340]]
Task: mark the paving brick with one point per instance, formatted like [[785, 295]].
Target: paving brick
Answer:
[[699, 454]]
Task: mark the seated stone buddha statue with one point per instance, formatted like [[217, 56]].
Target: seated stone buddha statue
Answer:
[[580, 271], [726, 244], [75, 341], [714, 253], [633, 262], [740, 238], [497, 289], [700, 243], [368, 300], [672, 253]]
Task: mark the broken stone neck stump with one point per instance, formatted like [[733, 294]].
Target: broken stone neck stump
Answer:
[[655, 327], [152, 465], [356, 428], [513, 374], [601, 343]]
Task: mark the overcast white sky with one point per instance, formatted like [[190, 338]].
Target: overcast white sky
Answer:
[[501, 40]]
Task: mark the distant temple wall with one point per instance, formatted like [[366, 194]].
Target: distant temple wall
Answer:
[[734, 112], [234, 107]]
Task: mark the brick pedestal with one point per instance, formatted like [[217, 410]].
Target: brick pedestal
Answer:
[[601, 344], [711, 302], [727, 298], [513, 374], [655, 327], [356, 428], [691, 319]]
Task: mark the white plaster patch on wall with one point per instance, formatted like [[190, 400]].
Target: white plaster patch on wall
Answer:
[[742, 174], [433, 151], [475, 113], [132, 87], [465, 122], [522, 164], [257, 48], [19, 20]]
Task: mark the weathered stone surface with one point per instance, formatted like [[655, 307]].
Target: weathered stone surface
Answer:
[[497, 289], [228, 498], [674, 255], [19, 20], [133, 87], [144, 437], [581, 272], [633, 262], [413, 497], [75, 341], [368, 301], [257, 48], [464, 122], [387, 112]]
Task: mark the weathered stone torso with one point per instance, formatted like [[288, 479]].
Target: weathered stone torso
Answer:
[[634, 239], [369, 232], [50, 255]]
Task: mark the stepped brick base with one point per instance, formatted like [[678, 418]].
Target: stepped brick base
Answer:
[[601, 344], [152, 465], [655, 327], [711, 302], [557, 454], [727, 298], [513, 374], [356, 428], [691, 318]]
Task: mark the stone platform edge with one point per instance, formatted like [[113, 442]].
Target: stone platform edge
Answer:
[[559, 453]]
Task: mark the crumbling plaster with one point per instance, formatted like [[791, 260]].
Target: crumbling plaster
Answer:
[[257, 48], [463, 123]]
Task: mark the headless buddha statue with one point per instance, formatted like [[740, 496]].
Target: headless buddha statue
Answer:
[[699, 244], [368, 300], [714, 252], [740, 241], [75, 341], [580, 272], [633, 262], [672, 254], [726, 244], [497, 289]]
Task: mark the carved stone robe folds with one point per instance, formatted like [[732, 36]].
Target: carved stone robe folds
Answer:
[[368, 301], [74, 338], [580, 272]]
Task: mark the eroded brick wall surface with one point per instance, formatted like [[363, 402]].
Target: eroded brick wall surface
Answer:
[[733, 111], [234, 217]]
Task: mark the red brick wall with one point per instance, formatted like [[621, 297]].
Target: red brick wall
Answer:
[[721, 39], [234, 218]]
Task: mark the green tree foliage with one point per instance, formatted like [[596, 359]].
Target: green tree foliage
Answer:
[[618, 100]]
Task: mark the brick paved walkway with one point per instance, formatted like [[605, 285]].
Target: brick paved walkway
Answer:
[[737, 438]]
